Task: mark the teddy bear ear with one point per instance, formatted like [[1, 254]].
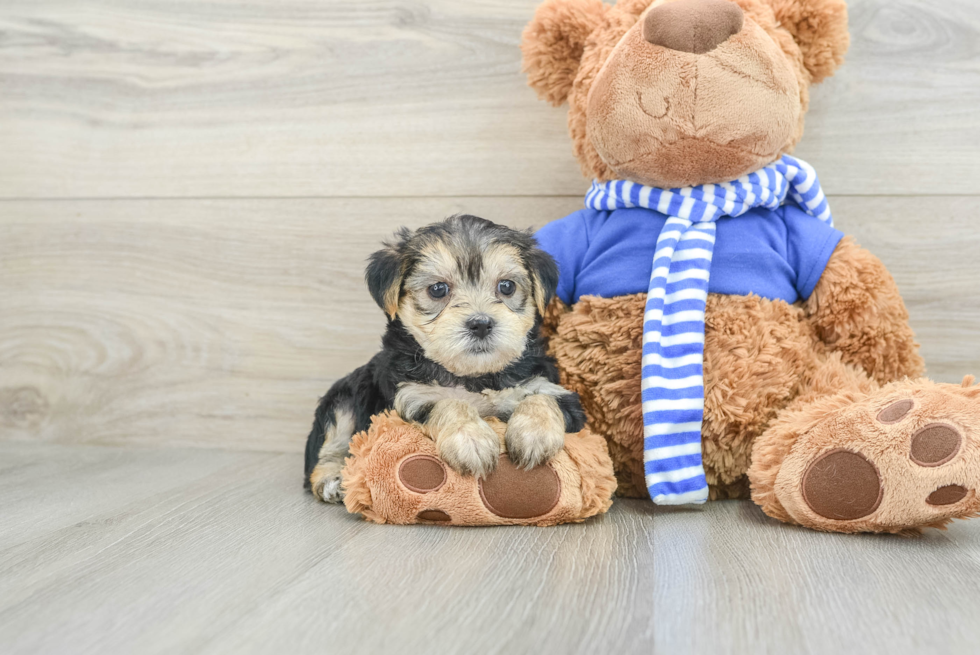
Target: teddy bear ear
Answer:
[[819, 27], [553, 43]]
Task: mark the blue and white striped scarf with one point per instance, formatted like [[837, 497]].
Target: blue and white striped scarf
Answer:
[[673, 327]]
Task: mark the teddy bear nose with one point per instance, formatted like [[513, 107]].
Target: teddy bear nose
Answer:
[[695, 26]]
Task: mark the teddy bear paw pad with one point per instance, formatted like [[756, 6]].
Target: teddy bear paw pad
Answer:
[[842, 485], [888, 464], [513, 493]]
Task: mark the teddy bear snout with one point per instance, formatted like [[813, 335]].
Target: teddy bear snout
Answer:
[[695, 26]]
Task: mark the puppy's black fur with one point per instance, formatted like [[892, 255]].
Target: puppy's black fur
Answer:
[[371, 388]]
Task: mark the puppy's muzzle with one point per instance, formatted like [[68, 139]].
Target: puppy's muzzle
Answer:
[[480, 326]]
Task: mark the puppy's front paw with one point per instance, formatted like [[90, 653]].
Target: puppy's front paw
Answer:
[[535, 432], [325, 481], [472, 448]]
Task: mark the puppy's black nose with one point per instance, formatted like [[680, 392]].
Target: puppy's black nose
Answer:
[[480, 326]]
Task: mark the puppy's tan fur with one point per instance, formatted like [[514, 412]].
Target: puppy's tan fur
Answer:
[[535, 431], [535, 424], [464, 440], [501, 403], [325, 480]]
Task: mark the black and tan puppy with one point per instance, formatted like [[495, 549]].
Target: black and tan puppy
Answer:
[[464, 300]]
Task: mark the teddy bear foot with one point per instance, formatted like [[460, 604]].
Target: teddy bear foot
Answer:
[[395, 475], [904, 458]]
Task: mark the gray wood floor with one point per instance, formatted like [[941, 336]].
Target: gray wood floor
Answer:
[[188, 193], [166, 550], [121, 550]]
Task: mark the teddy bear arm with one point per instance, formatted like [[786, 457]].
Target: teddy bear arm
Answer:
[[856, 309]]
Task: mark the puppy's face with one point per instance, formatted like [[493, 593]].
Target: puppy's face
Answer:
[[470, 310], [468, 290]]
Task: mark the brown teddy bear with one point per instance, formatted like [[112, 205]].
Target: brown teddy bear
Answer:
[[724, 339], [812, 398]]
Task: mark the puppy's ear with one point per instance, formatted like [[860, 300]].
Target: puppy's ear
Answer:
[[553, 43], [544, 277], [385, 272], [820, 29]]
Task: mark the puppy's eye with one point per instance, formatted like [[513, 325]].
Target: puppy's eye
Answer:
[[506, 287], [438, 290]]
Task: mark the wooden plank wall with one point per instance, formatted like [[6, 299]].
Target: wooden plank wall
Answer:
[[189, 189]]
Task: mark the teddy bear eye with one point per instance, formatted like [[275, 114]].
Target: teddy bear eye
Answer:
[[438, 290], [506, 287]]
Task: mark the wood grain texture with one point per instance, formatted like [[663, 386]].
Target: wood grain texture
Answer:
[[194, 322], [220, 322], [226, 98], [192, 551], [729, 579], [110, 550]]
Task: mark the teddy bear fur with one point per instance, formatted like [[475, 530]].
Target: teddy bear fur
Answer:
[[816, 410], [784, 384]]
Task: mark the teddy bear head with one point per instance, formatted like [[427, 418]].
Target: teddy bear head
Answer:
[[674, 93]]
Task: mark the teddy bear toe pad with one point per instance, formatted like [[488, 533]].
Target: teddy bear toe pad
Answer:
[[934, 445], [896, 411], [888, 464], [422, 474], [948, 495], [434, 515]]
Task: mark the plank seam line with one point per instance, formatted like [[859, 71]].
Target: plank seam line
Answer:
[[416, 197]]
